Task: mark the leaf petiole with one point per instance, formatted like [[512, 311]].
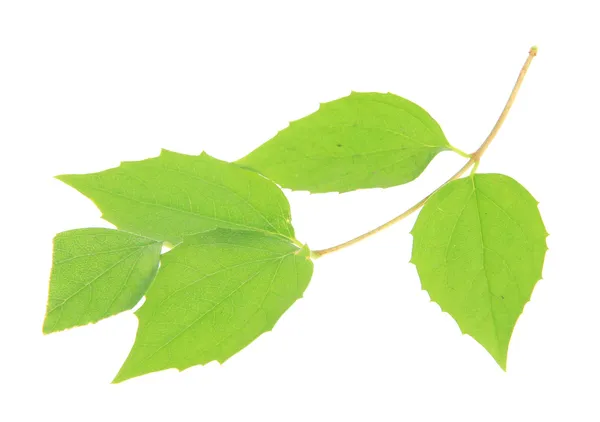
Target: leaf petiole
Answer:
[[460, 152], [474, 169]]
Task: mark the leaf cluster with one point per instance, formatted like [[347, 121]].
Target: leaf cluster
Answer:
[[235, 265]]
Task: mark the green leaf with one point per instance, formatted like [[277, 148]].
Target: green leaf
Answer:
[[364, 140], [97, 273], [174, 195], [479, 246], [214, 294]]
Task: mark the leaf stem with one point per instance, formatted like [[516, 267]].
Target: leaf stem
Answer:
[[473, 159], [474, 169], [460, 152]]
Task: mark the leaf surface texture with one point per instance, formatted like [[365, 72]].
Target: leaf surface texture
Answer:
[[97, 273], [364, 140]]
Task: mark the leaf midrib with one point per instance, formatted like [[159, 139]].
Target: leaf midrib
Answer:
[[226, 189], [217, 304], [484, 266], [197, 215]]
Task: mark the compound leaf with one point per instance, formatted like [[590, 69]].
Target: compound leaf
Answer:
[[97, 273], [479, 247], [364, 140], [174, 195], [214, 294]]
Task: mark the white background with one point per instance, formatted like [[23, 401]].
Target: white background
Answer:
[[87, 84]]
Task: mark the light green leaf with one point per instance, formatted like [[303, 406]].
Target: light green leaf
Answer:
[[364, 140], [214, 294], [479, 246], [97, 273], [174, 195]]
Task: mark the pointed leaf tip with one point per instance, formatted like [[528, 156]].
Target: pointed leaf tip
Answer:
[[195, 194]]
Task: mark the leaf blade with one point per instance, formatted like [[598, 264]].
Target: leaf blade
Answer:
[[364, 140], [175, 195], [479, 247], [97, 273], [216, 292]]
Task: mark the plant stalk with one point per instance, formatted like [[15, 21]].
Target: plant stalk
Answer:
[[474, 159]]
